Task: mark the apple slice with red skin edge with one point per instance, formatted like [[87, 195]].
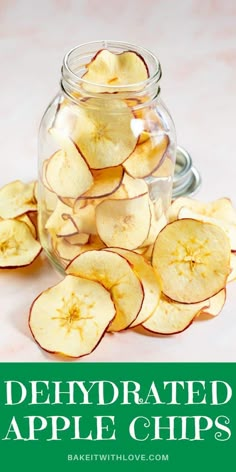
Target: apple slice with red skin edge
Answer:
[[103, 133], [71, 317], [221, 209], [229, 228], [132, 187], [232, 275], [57, 219], [114, 272], [18, 247], [67, 172], [85, 219], [192, 260], [147, 157], [65, 250], [26, 219], [166, 169], [149, 280], [171, 317], [106, 68], [157, 223], [105, 182], [43, 178], [68, 201], [78, 239], [124, 223], [216, 304], [17, 198]]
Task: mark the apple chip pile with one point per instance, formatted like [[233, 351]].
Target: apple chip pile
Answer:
[[182, 275], [18, 236], [126, 262]]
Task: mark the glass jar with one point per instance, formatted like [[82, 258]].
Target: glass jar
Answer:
[[106, 160]]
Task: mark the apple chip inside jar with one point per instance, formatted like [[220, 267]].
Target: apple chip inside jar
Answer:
[[192, 259], [103, 132], [147, 157], [71, 317], [151, 286], [18, 247], [124, 223], [114, 272], [67, 172], [107, 68], [105, 182], [172, 317], [17, 198]]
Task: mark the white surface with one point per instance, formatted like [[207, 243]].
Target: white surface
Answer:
[[195, 42]]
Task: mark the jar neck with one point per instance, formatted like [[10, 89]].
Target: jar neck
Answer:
[[74, 67]]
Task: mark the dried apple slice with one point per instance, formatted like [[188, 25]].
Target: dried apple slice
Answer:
[[71, 317], [17, 198], [85, 218], [67, 172], [172, 317], [221, 209], [216, 304], [149, 280], [18, 247], [25, 218], [103, 134], [57, 219], [124, 223], [147, 157], [65, 250], [157, 223], [107, 68], [232, 275], [192, 259], [78, 239], [132, 187], [165, 170], [115, 273], [105, 182], [229, 228]]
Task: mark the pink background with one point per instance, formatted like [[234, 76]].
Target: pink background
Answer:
[[196, 43]]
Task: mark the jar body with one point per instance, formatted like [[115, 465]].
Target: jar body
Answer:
[[106, 164]]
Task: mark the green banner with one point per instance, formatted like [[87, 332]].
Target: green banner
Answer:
[[71, 416]]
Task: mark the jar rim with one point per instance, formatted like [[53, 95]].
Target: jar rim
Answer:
[[148, 57]]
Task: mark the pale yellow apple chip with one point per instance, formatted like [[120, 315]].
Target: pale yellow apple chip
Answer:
[[67, 172], [172, 317], [151, 286], [157, 224], [232, 275], [115, 273], [71, 317], [229, 228], [216, 304], [84, 218], [57, 219], [165, 170], [77, 239], [16, 199], [107, 68], [221, 209], [103, 133], [26, 219], [192, 259], [124, 223], [66, 250], [147, 157], [18, 247], [67, 227], [105, 182], [132, 187]]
